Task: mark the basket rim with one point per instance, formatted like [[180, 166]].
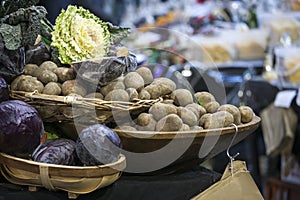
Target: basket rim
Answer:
[[57, 170], [36, 97]]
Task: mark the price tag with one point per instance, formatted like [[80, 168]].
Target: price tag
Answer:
[[284, 98], [298, 98]]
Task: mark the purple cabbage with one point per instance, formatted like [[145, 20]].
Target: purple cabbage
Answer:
[[60, 151], [98, 144], [4, 92], [21, 128]]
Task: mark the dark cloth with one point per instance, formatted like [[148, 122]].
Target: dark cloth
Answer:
[[179, 186]]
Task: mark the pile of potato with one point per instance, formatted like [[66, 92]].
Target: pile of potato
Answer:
[[181, 113], [47, 78], [180, 110]]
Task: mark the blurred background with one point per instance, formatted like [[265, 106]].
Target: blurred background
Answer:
[[249, 49]]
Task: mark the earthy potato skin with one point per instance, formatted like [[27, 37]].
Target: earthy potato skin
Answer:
[[29, 84], [204, 97], [246, 114], [204, 118], [132, 93], [218, 120], [64, 74], [160, 110], [117, 95], [225, 117], [182, 97], [146, 122], [52, 88], [212, 107], [187, 116], [94, 95], [47, 76], [116, 84], [15, 82], [48, 65], [198, 109], [144, 95], [233, 110], [133, 80], [199, 128], [154, 91], [30, 69], [184, 127], [170, 122], [160, 87], [71, 86], [146, 74]]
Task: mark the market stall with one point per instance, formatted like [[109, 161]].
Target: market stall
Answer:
[[137, 111]]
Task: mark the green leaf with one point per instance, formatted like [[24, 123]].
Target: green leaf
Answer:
[[12, 36]]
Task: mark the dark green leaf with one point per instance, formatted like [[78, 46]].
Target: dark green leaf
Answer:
[[12, 36]]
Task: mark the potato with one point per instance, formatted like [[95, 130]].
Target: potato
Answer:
[[146, 122], [132, 93], [144, 95], [30, 84], [212, 107], [48, 65], [146, 74], [184, 127], [167, 85], [218, 120], [94, 95], [64, 74], [52, 88], [47, 76], [197, 109], [199, 128], [15, 82], [168, 101], [224, 116], [115, 84], [71, 86], [204, 98], [246, 114], [204, 118], [233, 110], [154, 91], [30, 69], [170, 122], [182, 97], [160, 110], [187, 116], [74, 95], [117, 95], [133, 80]]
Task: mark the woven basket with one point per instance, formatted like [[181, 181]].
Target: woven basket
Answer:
[[54, 108], [73, 179]]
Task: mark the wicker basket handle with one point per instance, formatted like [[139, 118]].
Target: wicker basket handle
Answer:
[[44, 174]]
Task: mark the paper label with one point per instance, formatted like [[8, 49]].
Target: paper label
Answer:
[[284, 98]]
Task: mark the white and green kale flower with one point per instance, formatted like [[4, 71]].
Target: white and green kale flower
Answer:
[[80, 35]]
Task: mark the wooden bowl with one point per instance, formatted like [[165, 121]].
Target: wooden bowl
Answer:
[[73, 179], [200, 145]]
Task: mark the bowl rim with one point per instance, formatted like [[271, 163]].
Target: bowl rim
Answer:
[[189, 134]]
